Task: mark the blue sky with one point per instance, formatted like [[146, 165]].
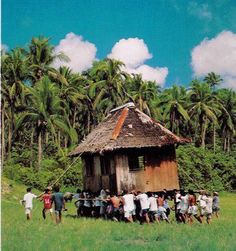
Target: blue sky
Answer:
[[161, 33]]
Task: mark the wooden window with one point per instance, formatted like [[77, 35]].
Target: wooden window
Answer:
[[136, 162], [89, 163], [105, 165]]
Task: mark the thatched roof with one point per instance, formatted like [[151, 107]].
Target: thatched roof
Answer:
[[124, 128]]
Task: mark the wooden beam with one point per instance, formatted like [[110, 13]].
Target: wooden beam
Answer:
[[120, 123]]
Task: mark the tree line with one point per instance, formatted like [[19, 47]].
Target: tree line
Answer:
[[46, 111]]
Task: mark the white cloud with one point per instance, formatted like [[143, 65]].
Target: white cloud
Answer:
[[81, 53], [229, 82], [216, 55], [134, 52], [200, 11], [149, 73], [4, 48]]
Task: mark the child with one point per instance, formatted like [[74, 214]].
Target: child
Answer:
[[28, 203], [59, 203], [215, 205], [46, 198]]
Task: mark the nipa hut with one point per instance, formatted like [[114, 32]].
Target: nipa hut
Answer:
[[129, 150]]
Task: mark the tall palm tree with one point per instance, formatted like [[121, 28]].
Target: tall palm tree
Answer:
[[204, 107], [174, 101], [227, 118], [107, 89], [14, 74], [41, 56], [143, 93], [47, 113], [213, 79], [72, 91]]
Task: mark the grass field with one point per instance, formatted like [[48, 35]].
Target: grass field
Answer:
[[88, 234]]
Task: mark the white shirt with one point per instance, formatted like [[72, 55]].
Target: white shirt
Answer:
[[209, 201], [184, 202], [152, 203], [202, 200], [143, 198], [128, 202], [28, 198]]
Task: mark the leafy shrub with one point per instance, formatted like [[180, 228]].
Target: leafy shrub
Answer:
[[203, 169]]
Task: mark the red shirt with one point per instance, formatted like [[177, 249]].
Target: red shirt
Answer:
[[47, 201]]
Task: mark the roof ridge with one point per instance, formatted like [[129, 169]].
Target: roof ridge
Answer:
[[120, 123]]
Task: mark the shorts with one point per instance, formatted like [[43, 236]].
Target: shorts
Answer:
[[183, 210], [162, 213], [215, 209], [49, 209], [208, 215], [28, 210], [129, 213], [202, 211], [57, 212], [153, 213], [144, 211], [193, 210]]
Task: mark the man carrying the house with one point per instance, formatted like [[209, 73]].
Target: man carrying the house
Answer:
[[129, 206], [143, 198]]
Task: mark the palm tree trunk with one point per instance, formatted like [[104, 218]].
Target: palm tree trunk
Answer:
[[214, 138], [65, 141], [39, 150], [225, 144], [74, 118], [3, 135], [59, 138], [88, 125], [9, 139], [10, 133], [203, 136], [31, 146], [228, 143]]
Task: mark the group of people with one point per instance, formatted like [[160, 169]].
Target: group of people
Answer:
[[147, 207], [129, 206], [49, 199]]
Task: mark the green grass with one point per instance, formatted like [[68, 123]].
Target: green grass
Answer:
[[90, 234]]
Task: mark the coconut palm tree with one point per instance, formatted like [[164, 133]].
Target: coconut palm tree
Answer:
[[106, 89], [143, 93], [108, 82], [72, 91], [47, 113], [213, 79], [14, 74], [227, 119], [204, 107], [41, 55], [173, 101]]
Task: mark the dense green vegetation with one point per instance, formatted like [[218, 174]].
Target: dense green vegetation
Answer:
[[90, 234], [47, 111]]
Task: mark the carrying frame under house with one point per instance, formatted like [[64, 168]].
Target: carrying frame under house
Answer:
[[129, 150]]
